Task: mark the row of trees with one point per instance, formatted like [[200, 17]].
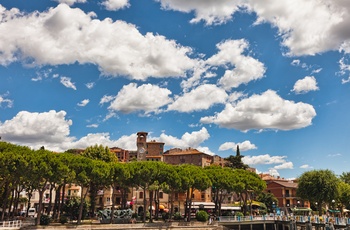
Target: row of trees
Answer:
[[23, 169], [322, 188]]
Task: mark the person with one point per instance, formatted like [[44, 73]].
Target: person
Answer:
[[210, 220]]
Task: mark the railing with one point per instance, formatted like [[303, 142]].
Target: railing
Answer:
[[14, 224], [302, 219]]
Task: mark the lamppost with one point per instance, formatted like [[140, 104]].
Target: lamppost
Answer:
[[298, 203]]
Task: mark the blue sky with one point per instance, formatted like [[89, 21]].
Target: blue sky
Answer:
[[270, 76]]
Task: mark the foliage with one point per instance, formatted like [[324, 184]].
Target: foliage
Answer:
[[239, 213], [236, 161], [165, 216], [268, 199], [63, 219], [202, 216], [45, 220], [177, 216], [71, 208], [345, 177], [319, 186]]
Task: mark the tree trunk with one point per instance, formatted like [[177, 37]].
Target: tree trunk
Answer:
[[150, 206], [144, 206], [61, 204], [50, 199], [113, 204]]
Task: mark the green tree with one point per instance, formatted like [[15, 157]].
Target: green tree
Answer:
[[319, 186], [268, 199], [98, 152], [345, 176], [248, 183], [236, 162], [344, 195], [192, 177], [223, 183]]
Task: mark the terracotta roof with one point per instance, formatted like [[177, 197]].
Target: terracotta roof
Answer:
[[185, 152], [287, 184]]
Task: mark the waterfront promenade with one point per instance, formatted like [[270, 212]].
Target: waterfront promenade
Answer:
[[222, 223]]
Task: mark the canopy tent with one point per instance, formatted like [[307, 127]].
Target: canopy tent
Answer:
[[333, 211]]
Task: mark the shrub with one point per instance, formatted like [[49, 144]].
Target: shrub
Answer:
[[177, 216], [44, 220], [202, 216], [63, 219], [239, 213], [165, 216]]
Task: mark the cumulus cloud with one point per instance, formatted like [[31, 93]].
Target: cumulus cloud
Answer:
[[305, 85], [264, 160], [211, 12], [265, 111], [66, 81], [5, 102], [200, 98], [49, 129], [192, 140], [114, 5], [116, 47], [71, 2], [243, 146], [205, 150], [244, 68], [84, 102], [325, 28], [147, 97], [285, 165]]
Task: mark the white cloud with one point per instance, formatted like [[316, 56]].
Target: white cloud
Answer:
[[295, 62], [203, 97], [274, 172], [124, 142], [265, 111], [285, 165], [49, 129], [90, 85], [71, 2], [211, 12], [244, 68], [306, 166], [92, 126], [116, 47], [243, 146], [147, 97], [192, 140], [84, 102], [325, 28], [5, 102], [305, 85], [264, 160], [114, 5], [66, 81], [106, 99], [205, 150]]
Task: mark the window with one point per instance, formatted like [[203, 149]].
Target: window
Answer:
[[176, 196], [117, 200], [192, 196], [141, 195], [202, 196], [160, 195]]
